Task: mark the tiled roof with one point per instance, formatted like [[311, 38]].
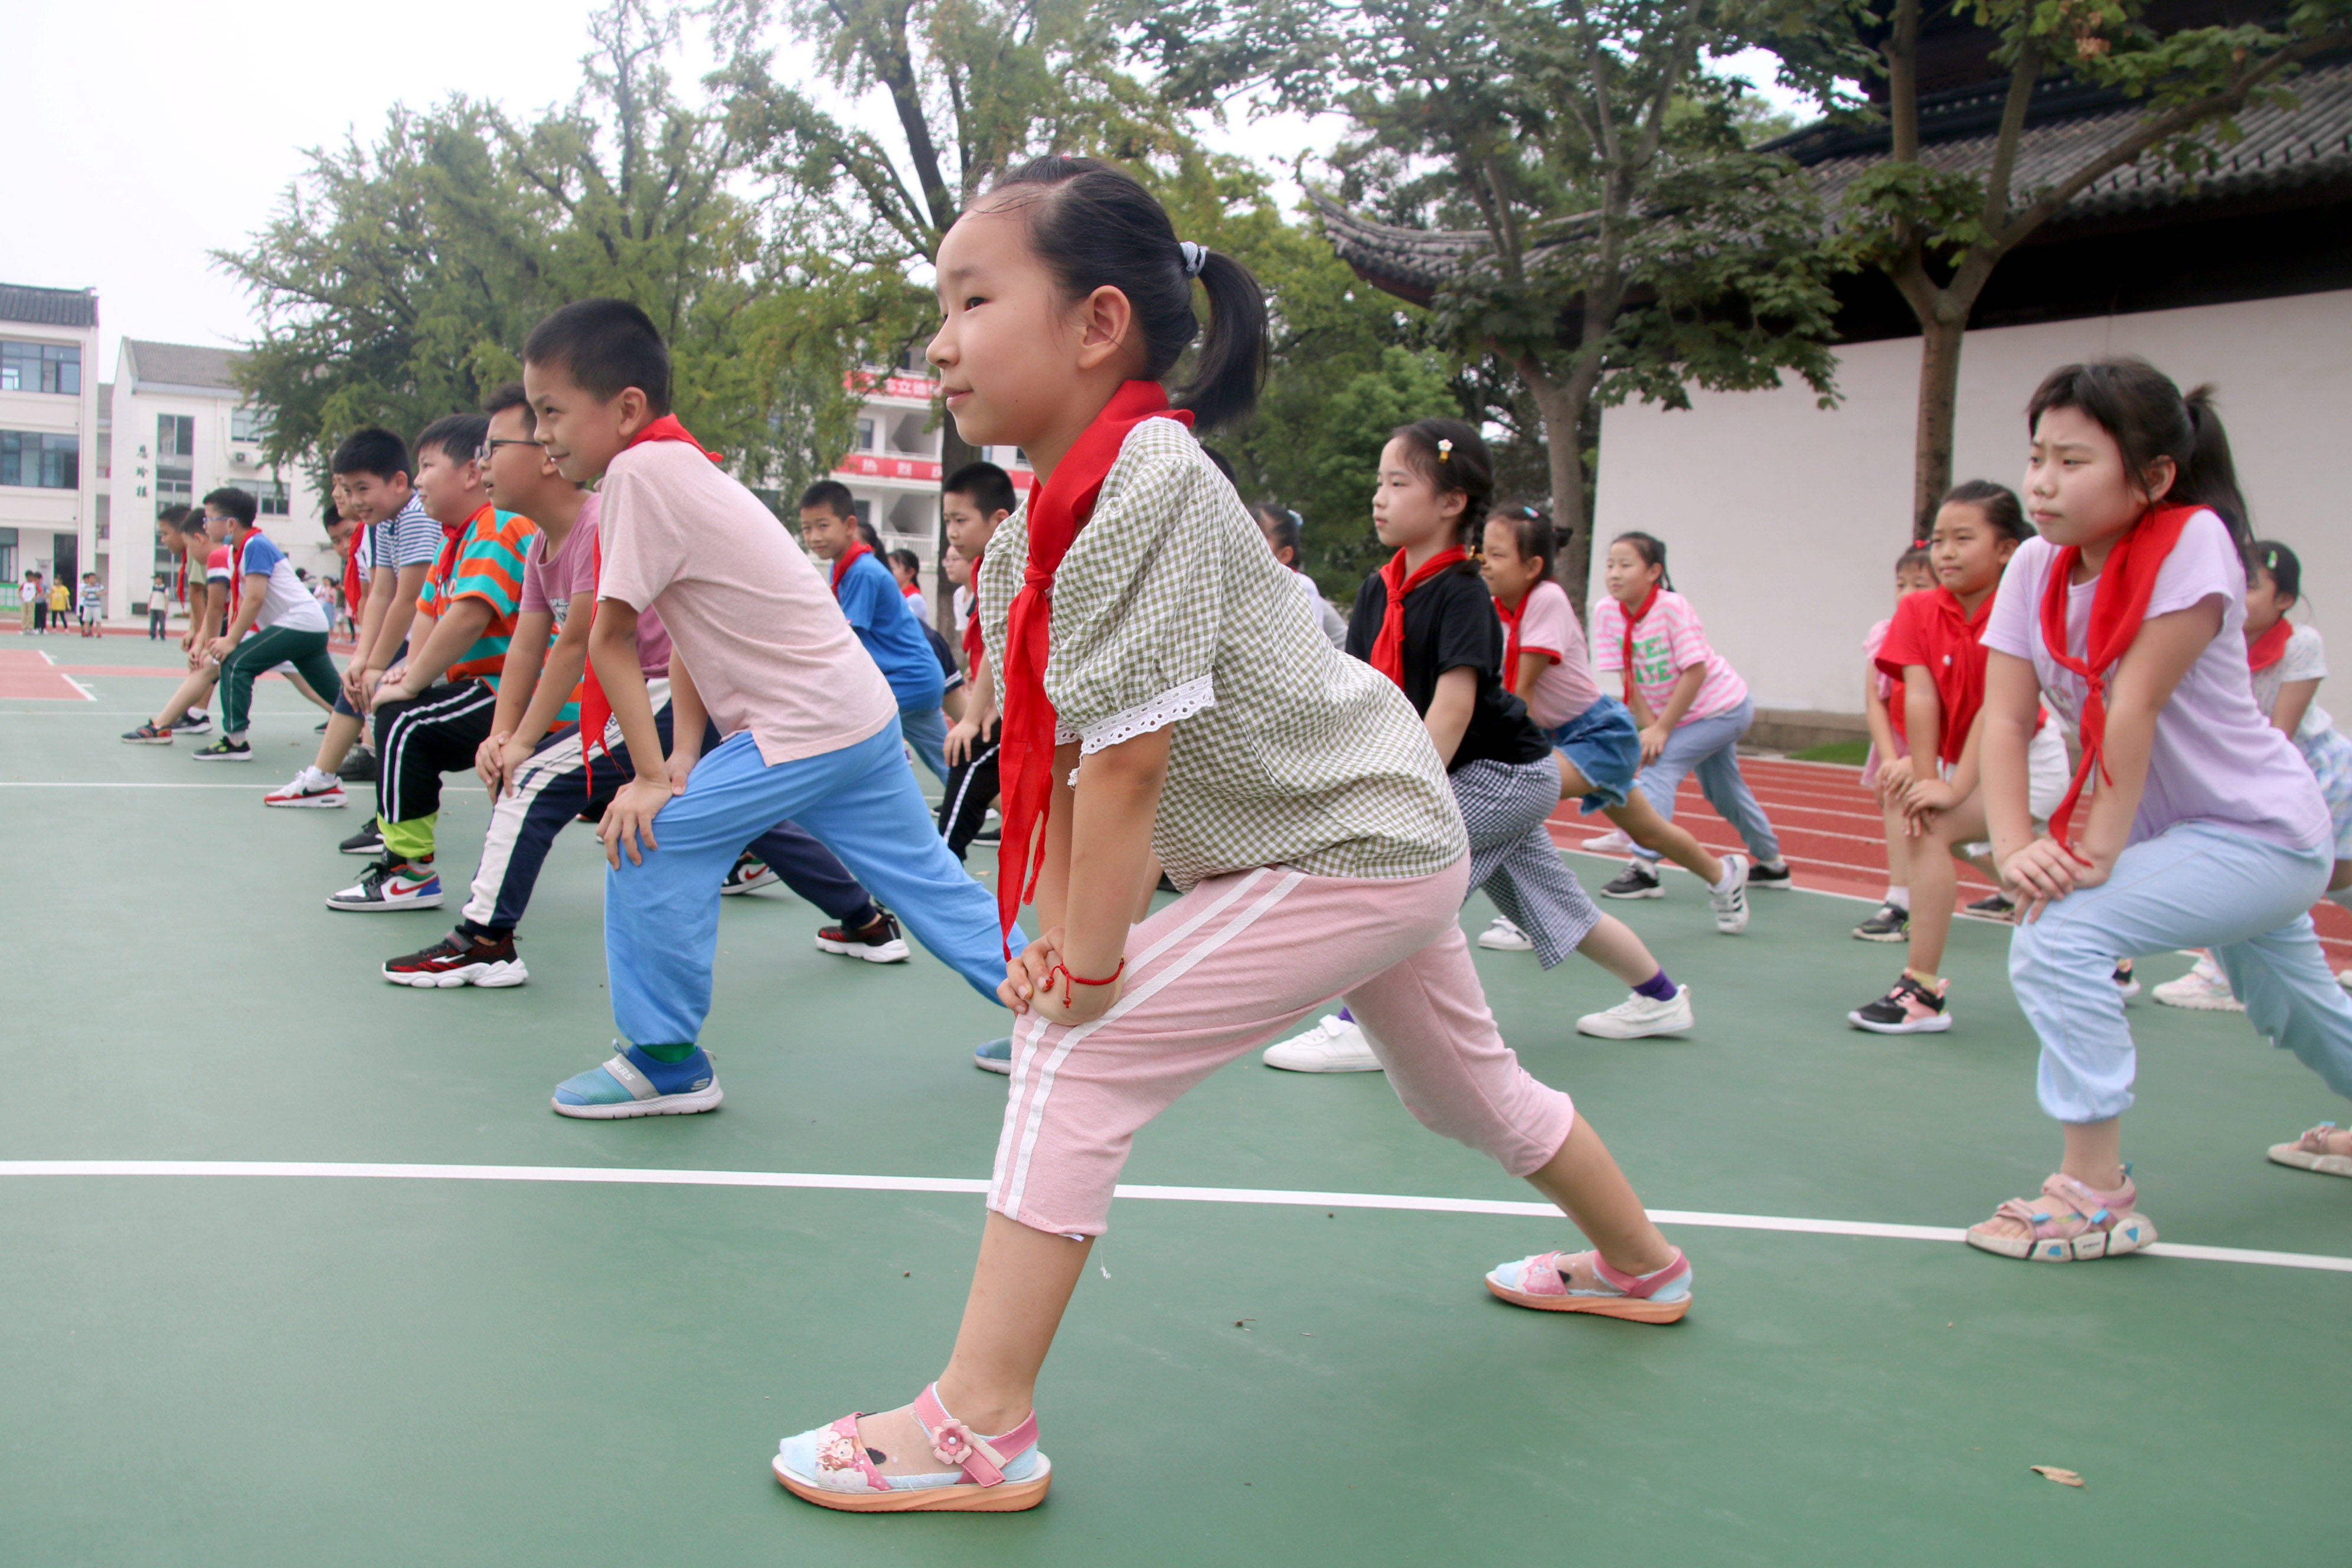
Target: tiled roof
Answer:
[[49, 306], [2281, 152], [181, 365]]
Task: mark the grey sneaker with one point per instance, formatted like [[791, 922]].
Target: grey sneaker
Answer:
[[1639, 879]]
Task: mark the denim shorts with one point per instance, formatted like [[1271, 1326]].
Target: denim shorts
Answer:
[[1606, 748]]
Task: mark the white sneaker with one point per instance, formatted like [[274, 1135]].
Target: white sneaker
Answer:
[[1731, 903], [1613, 842], [1334, 1045], [1505, 937], [308, 788], [1638, 1018], [2202, 990]]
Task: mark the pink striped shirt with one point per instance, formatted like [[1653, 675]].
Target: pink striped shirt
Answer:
[[1669, 640]]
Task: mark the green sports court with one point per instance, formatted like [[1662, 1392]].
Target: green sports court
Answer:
[[297, 1267]]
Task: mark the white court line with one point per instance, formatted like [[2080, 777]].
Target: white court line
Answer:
[[1260, 1195], [115, 783]]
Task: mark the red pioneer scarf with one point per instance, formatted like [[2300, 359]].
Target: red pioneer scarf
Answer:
[[1057, 509], [2271, 646], [351, 587], [973, 644], [1511, 618], [236, 574], [2117, 608], [1388, 648], [1634, 618], [845, 561], [596, 709]]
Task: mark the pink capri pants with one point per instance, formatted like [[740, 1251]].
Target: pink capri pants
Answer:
[[1226, 968]]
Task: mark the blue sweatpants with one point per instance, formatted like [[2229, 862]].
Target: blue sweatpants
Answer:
[[926, 730], [2196, 884], [1710, 748], [661, 917]]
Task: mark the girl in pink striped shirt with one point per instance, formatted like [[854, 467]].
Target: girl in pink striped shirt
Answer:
[[1692, 706]]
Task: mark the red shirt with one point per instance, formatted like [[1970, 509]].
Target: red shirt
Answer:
[[1931, 630]]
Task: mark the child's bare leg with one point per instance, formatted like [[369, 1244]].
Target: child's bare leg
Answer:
[[2094, 1156], [193, 690], [1019, 1289], [1936, 884], [1898, 847], [342, 734], [1645, 827], [1585, 1182], [1612, 945]]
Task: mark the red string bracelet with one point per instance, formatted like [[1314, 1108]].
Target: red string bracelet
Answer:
[[1064, 970]]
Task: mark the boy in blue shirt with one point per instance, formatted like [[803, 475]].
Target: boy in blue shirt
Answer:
[[876, 611]]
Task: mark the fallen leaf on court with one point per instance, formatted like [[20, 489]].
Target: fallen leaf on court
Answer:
[[2063, 1477]]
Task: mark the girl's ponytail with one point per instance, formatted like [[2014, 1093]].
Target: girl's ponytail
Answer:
[[2209, 476], [1231, 361], [2144, 410]]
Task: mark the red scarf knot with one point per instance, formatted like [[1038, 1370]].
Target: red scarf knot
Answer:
[[1388, 647], [845, 561], [2118, 605], [1058, 509], [1511, 617], [2271, 646]]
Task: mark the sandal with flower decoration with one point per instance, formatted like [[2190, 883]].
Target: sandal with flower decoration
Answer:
[[1003, 1474], [2070, 1223], [2326, 1149], [1542, 1282]]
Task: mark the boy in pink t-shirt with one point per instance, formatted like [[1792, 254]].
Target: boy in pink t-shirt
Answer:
[[760, 652]]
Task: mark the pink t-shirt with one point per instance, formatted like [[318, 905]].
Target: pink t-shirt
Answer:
[[2216, 758], [550, 583], [1884, 684], [748, 614], [1548, 625], [1669, 640]]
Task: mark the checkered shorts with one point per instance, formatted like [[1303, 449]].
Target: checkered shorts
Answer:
[[1504, 805]]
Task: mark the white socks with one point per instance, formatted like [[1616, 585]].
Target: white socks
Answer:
[[1900, 898]]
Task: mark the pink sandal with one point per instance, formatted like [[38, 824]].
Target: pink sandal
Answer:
[[1541, 1282], [2070, 1223], [2312, 1152], [1003, 1474]]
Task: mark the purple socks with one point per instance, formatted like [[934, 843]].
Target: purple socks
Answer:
[[1657, 988]]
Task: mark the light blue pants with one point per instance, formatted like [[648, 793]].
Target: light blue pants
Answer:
[[661, 917], [2195, 885], [1710, 747], [926, 730]]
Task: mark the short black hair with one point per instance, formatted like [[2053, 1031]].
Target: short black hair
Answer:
[[906, 558], [457, 436], [865, 531], [605, 345], [173, 516], [509, 394], [832, 495], [233, 502], [986, 485], [372, 449]]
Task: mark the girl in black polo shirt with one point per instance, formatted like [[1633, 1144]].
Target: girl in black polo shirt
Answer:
[[1427, 621]]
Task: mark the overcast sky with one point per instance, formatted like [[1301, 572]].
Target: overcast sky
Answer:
[[150, 133]]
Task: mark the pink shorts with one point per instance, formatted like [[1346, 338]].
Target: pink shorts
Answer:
[[1222, 971]]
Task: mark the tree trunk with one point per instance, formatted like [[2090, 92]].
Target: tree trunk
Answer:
[[1940, 336], [1562, 408]]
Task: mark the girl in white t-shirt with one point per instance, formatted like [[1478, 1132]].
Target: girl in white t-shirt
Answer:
[[1547, 665], [2128, 615], [1692, 706]]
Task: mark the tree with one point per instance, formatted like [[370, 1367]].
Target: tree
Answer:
[[1938, 233], [1622, 240]]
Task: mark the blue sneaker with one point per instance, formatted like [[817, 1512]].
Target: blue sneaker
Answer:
[[635, 1084], [994, 1057]]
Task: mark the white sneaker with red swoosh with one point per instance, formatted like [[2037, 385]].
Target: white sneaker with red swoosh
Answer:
[[391, 884]]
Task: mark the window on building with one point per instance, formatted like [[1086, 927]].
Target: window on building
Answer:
[[272, 495], [866, 434], [8, 574], [43, 462], [175, 469], [248, 425], [40, 367], [176, 435]]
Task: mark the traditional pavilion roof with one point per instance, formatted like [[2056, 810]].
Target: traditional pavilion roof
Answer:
[[2301, 155]]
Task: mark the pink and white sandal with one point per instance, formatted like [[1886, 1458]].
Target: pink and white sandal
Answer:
[[2070, 1223], [1004, 1474], [2326, 1149], [1541, 1282]]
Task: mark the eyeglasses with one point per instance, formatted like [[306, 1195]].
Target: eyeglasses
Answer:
[[490, 448]]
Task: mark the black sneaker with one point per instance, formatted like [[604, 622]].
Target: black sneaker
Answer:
[[359, 767], [1778, 877], [323, 727], [878, 943], [1910, 1008], [225, 750], [1994, 907], [368, 840], [192, 724], [2125, 980], [148, 735], [749, 872], [1637, 880], [1891, 923], [459, 960]]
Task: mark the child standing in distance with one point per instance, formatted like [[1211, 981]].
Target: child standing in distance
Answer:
[[91, 606], [907, 568], [759, 649], [1692, 706], [61, 604], [2206, 828], [2288, 660], [1291, 792], [879, 613], [1892, 922], [1282, 529], [1546, 663], [159, 607], [975, 502], [1933, 646], [1443, 647]]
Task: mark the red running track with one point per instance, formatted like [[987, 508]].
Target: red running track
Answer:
[[1831, 832]]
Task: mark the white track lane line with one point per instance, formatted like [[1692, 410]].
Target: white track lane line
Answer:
[[1259, 1195], [117, 783]]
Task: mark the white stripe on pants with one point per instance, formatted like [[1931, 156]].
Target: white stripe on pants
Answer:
[[539, 770]]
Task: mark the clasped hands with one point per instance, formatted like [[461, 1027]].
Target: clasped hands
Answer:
[[1041, 978]]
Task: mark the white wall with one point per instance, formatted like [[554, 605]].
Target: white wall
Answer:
[[1783, 522]]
